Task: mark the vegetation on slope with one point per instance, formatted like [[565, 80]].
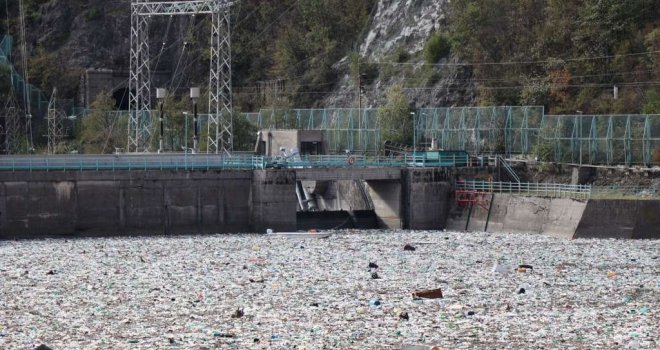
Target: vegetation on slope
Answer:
[[566, 55]]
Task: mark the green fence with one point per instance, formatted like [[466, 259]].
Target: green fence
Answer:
[[580, 139]]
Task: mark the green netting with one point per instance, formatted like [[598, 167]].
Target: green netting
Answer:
[[480, 129], [602, 139], [587, 139]]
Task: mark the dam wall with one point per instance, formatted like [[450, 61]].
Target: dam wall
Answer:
[[123, 202], [620, 218], [99, 203], [562, 217]]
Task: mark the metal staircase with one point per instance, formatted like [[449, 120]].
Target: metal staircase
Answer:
[[509, 170]]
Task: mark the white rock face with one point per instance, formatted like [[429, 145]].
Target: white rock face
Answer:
[[402, 23], [407, 25]]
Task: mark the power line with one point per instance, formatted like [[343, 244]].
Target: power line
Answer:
[[558, 60], [347, 93], [271, 23]]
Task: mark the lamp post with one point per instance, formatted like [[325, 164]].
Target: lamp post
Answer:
[[160, 95], [194, 95], [414, 133]]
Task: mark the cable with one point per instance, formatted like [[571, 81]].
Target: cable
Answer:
[[271, 23], [26, 86], [649, 83], [455, 80], [518, 62], [162, 47]]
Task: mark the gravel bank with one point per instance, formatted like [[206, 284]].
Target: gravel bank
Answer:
[[186, 292]]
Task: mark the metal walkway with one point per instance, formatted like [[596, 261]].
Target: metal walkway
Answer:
[[209, 162]]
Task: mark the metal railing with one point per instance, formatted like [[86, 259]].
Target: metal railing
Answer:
[[208, 162], [406, 160], [582, 192], [121, 162]]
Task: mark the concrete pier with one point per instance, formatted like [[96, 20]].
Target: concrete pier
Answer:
[[273, 200]]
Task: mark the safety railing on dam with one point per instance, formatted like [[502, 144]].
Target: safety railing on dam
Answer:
[[582, 192], [209, 162], [123, 162]]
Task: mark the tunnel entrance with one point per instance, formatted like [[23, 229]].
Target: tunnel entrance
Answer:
[[121, 97]]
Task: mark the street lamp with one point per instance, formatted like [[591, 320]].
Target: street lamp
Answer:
[[194, 95], [160, 95], [414, 133]]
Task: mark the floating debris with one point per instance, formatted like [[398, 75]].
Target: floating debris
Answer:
[[319, 297]]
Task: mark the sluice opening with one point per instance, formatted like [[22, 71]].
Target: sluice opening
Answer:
[[334, 205]]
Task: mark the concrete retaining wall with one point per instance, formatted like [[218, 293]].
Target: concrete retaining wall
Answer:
[[620, 219], [564, 218], [519, 214], [96, 203]]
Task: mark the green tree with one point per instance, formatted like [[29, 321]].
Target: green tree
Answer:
[[245, 134], [396, 122], [103, 130]]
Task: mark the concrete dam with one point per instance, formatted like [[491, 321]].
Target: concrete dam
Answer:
[[34, 204], [138, 201]]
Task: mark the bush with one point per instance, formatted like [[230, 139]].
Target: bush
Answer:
[[544, 152], [362, 68], [437, 46], [401, 55]]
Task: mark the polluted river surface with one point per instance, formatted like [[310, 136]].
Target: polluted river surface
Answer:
[[349, 291]]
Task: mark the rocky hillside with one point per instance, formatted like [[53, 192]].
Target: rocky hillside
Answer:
[[393, 49], [561, 54]]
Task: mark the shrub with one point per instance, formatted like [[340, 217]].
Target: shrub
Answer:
[[437, 47], [543, 151]]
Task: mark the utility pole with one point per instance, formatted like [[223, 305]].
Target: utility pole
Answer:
[[360, 90]]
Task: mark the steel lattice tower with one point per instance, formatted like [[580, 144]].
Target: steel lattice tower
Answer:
[[55, 120], [12, 116], [220, 118]]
